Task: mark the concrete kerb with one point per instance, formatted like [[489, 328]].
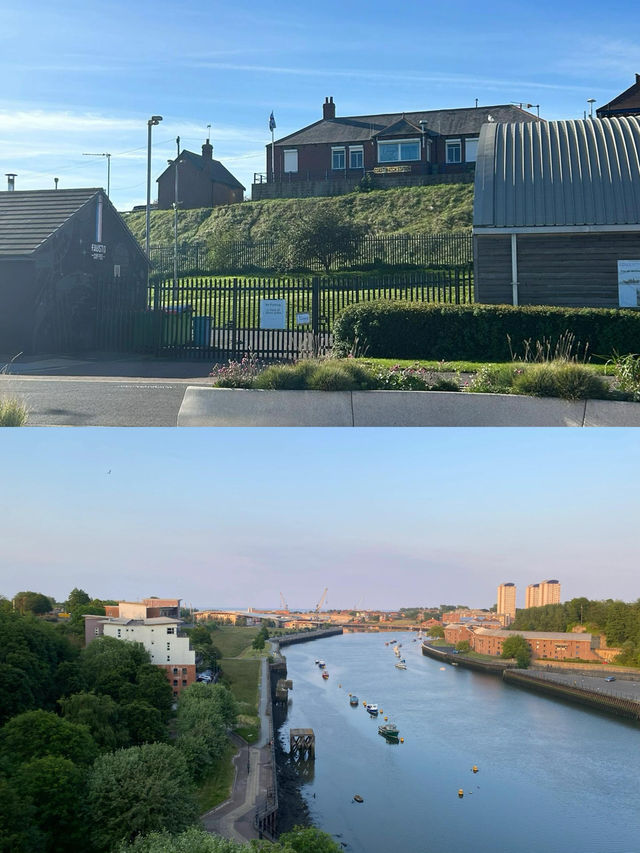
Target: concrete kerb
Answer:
[[230, 407]]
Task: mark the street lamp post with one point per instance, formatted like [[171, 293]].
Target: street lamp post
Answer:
[[591, 102], [153, 120]]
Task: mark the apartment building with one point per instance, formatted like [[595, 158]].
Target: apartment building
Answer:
[[545, 592], [506, 609]]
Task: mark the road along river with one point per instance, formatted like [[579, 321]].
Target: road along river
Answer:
[[552, 777]]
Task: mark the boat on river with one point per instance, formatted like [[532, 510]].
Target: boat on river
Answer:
[[325, 674], [321, 664], [353, 700], [372, 709], [401, 665], [389, 731]]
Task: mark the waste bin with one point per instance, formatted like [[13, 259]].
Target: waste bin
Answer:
[[176, 325], [202, 331]]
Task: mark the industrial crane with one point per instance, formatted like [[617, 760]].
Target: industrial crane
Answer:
[[321, 602]]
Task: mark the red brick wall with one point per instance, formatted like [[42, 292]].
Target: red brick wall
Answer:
[[540, 648], [184, 676]]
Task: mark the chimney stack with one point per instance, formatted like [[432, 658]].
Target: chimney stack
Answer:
[[11, 181], [328, 109], [207, 151]]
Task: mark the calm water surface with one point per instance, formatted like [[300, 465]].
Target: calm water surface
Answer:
[[552, 778]]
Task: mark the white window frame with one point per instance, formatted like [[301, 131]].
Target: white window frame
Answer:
[[289, 159], [356, 149], [472, 139], [337, 150], [450, 145], [399, 143]]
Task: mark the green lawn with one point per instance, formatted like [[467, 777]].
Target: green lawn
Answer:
[[232, 640], [242, 677], [216, 788]]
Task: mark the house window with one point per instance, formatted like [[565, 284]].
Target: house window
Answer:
[[175, 680], [453, 151], [291, 160], [119, 632], [175, 670], [184, 669], [337, 158], [471, 150], [356, 157], [168, 658], [171, 630], [398, 152], [184, 682], [168, 647]]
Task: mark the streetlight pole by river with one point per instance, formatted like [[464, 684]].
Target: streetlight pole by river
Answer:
[[152, 121]]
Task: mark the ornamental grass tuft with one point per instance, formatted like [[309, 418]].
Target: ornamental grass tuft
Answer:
[[13, 413]]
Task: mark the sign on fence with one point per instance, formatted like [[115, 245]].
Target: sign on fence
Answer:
[[273, 313]]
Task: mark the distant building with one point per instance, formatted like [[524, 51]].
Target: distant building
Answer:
[[543, 644], [332, 155], [507, 602], [549, 592], [160, 638], [532, 596], [148, 608], [202, 182], [625, 104]]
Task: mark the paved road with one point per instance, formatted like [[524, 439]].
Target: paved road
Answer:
[[625, 689], [99, 401]]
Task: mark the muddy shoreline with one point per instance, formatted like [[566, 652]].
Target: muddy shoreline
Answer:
[[292, 807]]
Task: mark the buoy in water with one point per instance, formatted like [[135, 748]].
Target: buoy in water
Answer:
[[385, 719], [357, 798], [474, 768], [460, 793], [401, 740]]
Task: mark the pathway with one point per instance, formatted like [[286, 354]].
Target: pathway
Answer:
[[253, 778]]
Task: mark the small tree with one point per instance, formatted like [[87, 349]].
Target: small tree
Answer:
[[463, 646], [437, 631], [518, 648], [323, 237]]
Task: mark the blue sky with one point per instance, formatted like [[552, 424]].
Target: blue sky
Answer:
[[84, 77], [383, 518]]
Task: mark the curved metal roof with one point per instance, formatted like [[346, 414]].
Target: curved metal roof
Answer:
[[558, 174]]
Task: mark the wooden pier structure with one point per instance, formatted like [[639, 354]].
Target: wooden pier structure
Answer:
[[302, 744]]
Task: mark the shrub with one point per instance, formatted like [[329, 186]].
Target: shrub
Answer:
[[13, 413], [285, 377], [340, 376], [494, 379], [236, 374], [480, 332], [565, 379], [626, 369]]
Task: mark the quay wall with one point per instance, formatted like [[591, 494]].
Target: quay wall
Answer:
[[628, 708], [535, 680], [305, 636]]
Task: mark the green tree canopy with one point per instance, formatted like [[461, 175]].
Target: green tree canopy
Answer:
[[102, 715], [308, 839], [437, 631], [18, 832], [32, 602], [518, 648], [108, 665], [77, 597], [192, 840], [137, 791], [321, 236], [34, 734], [57, 787]]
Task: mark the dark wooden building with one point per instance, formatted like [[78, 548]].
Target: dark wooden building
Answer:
[[202, 182], [58, 248], [625, 104], [556, 217], [331, 156]]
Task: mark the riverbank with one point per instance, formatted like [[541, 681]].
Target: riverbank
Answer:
[[602, 697]]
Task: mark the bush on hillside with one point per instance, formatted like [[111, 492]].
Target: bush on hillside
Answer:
[[479, 332]]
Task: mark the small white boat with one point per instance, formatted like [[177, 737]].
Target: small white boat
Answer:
[[321, 664], [372, 709], [401, 665]]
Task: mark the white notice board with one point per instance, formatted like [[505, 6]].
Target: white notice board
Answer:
[[273, 313], [629, 284]]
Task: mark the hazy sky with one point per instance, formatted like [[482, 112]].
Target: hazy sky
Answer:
[[83, 77], [383, 518]]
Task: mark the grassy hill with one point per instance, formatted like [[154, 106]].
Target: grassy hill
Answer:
[[411, 210]]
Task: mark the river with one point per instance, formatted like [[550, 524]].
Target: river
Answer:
[[552, 777]]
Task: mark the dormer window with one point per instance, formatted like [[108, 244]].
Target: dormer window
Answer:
[[399, 152]]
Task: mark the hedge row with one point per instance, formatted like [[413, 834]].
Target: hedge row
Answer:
[[479, 332]]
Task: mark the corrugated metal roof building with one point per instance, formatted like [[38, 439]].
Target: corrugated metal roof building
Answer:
[[557, 205], [56, 249]]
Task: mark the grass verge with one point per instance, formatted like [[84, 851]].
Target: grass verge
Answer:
[[216, 788]]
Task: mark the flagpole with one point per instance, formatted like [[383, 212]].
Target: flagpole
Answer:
[[273, 157]]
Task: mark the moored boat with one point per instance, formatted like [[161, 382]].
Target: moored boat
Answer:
[[321, 664], [325, 674], [401, 665], [353, 700], [372, 709], [389, 730]]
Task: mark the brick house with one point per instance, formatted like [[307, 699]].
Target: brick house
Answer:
[[332, 155], [625, 104], [202, 182], [543, 644]]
